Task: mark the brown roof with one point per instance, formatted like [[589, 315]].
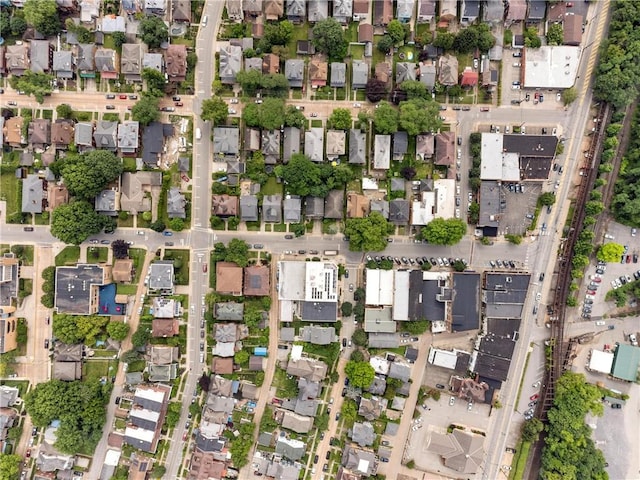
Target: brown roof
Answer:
[[256, 281], [445, 148], [270, 63], [176, 62], [228, 278], [139, 467], [40, 131], [115, 440], [365, 32], [204, 466], [62, 132], [360, 6], [273, 9], [382, 72], [164, 327], [382, 12], [223, 366], [122, 270], [572, 29], [224, 205], [13, 130], [357, 205], [318, 71]]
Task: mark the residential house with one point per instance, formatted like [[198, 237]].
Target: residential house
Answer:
[[138, 189], [461, 450], [383, 72], [314, 144], [128, 137], [537, 11], [63, 64], [146, 417], [448, 66], [291, 449], [272, 208], [370, 408], [363, 434], [224, 206], [17, 59], [40, 133], [176, 204], [12, 132], [342, 10], [271, 146], [175, 59], [8, 395], [399, 211], [112, 24], [106, 63], [404, 10], [338, 74], [105, 135], [9, 277], [67, 362], [249, 208], [153, 137], [469, 78], [107, 203], [294, 71], [292, 207], [228, 278], [445, 149], [400, 145], [428, 75], [228, 312], [336, 143], [8, 321], [230, 63], [234, 10], [89, 11], [41, 56], [77, 288], [405, 71], [252, 139], [291, 143], [334, 205], [273, 9], [62, 134], [314, 208], [357, 205], [425, 146], [270, 63], [493, 11], [181, 11], [257, 281], [357, 147], [161, 278], [122, 271], [360, 10], [296, 10], [359, 74], [226, 142], [131, 62], [382, 12], [254, 63], [83, 136], [318, 71], [318, 10], [572, 26], [470, 11], [448, 11], [516, 11], [86, 66], [56, 195], [297, 423], [426, 10], [155, 7], [382, 152], [252, 8]]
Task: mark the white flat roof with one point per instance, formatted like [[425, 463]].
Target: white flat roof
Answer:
[[401, 295], [112, 458], [145, 414], [291, 280], [601, 361], [491, 156], [150, 394], [443, 358], [296, 352], [367, 183], [321, 282], [286, 311], [140, 434], [445, 190], [551, 66], [380, 365], [379, 289]]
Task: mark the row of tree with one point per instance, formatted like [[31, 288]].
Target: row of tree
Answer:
[[626, 200], [73, 329], [474, 37], [415, 116]]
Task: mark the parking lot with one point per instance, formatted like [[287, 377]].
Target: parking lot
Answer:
[[519, 202]]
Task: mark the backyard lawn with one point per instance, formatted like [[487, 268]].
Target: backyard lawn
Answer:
[[301, 32], [180, 263], [137, 255], [97, 254], [10, 192], [272, 187], [68, 256]]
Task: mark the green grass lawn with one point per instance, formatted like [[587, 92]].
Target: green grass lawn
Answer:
[[351, 33], [42, 218], [126, 289], [357, 51], [10, 191], [301, 32], [280, 227], [93, 369], [97, 254], [181, 264], [316, 123], [24, 253], [137, 255], [68, 256], [520, 460], [128, 222], [272, 187]]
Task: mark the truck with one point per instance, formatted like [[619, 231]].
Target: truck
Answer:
[[331, 253], [198, 134]]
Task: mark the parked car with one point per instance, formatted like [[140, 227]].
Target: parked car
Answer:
[[452, 400]]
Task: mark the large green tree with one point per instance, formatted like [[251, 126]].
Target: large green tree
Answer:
[[10, 466], [415, 89], [43, 16], [340, 119], [294, 117], [610, 252], [555, 34], [375, 90], [88, 174], [118, 330], [79, 328], [395, 30], [385, 119], [146, 109], [214, 110], [269, 114], [75, 222], [156, 81], [153, 31], [444, 232], [278, 33], [360, 374], [237, 252], [305, 177], [419, 116], [31, 83], [369, 233], [328, 38]]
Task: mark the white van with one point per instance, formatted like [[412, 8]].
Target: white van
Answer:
[[204, 20], [198, 134]]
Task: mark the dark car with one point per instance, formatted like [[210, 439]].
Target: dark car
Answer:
[[167, 233], [175, 98], [168, 109], [288, 237], [439, 385], [344, 392], [201, 346], [110, 96], [328, 455], [46, 343], [133, 97], [346, 382], [168, 244], [635, 258], [28, 229], [117, 401], [616, 405], [34, 431], [110, 107], [344, 342], [315, 459]]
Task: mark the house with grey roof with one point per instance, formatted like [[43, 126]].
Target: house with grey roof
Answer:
[[405, 71], [249, 208], [226, 142], [314, 144], [336, 144], [63, 63], [230, 63], [251, 139], [470, 11], [107, 202], [357, 147], [400, 371], [89, 10], [426, 10], [8, 396], [318, 10], [155, 7], [399, 211], [40, 133], [448, 66], [404, 10], [176, 203], [254, 63], [291, 143], [161, 274], [252, 8], [292, 206], [154, 61], [294, 71], [138, 189], [296, 10], [106, 135], [334, 205], [297, 423], [318, 335], [384, 340], [359, 74], [113, 23], [128, 137], [131, 62], [181, 11], [371, 408], [363, 434], [271, 146], [338, 74], [153, 136], [86, 66], [380, 206], [106, 63], [272, 208], [342, 10], [382, 152], [32, 194], [41, 55], [291, 448], [17, 59], [493, 11], [229, 311], [428, 75], [314, 208], [400, 144]]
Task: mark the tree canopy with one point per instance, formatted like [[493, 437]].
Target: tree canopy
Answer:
[[328, 38], [72, 329], [271, 84], [278, 33], [10, 466], [395, 30], [304, 177], [80, 407], [444, 232], [118, 330], [375, 90], [385, 119], [269, 114], [153, 31], [73, 223], [547, 198], [340, 119], [419, 116], [43, 16], [555, 34], [360, 374], [31, 83], [415, 89], [88, 174], [236, 251], [369, 233], [120, 249], [610, 252], [294, 118], [156, 81], [214, 110], [146, 109], [625, 203]]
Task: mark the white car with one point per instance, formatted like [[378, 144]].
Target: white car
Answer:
[[558, 97], [357, 105], [234, 100], [232, 111], [457, 213], [614, 284], [452, 400], [538, 296], [590, 297]]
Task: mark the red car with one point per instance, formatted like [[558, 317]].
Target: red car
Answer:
[[184, 436], [29, 453], [596, 279], [204, 267], [534, 397], [179, 104], [591, 292], [122, 97]]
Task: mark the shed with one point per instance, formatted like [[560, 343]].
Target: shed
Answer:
[[260, 351]]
